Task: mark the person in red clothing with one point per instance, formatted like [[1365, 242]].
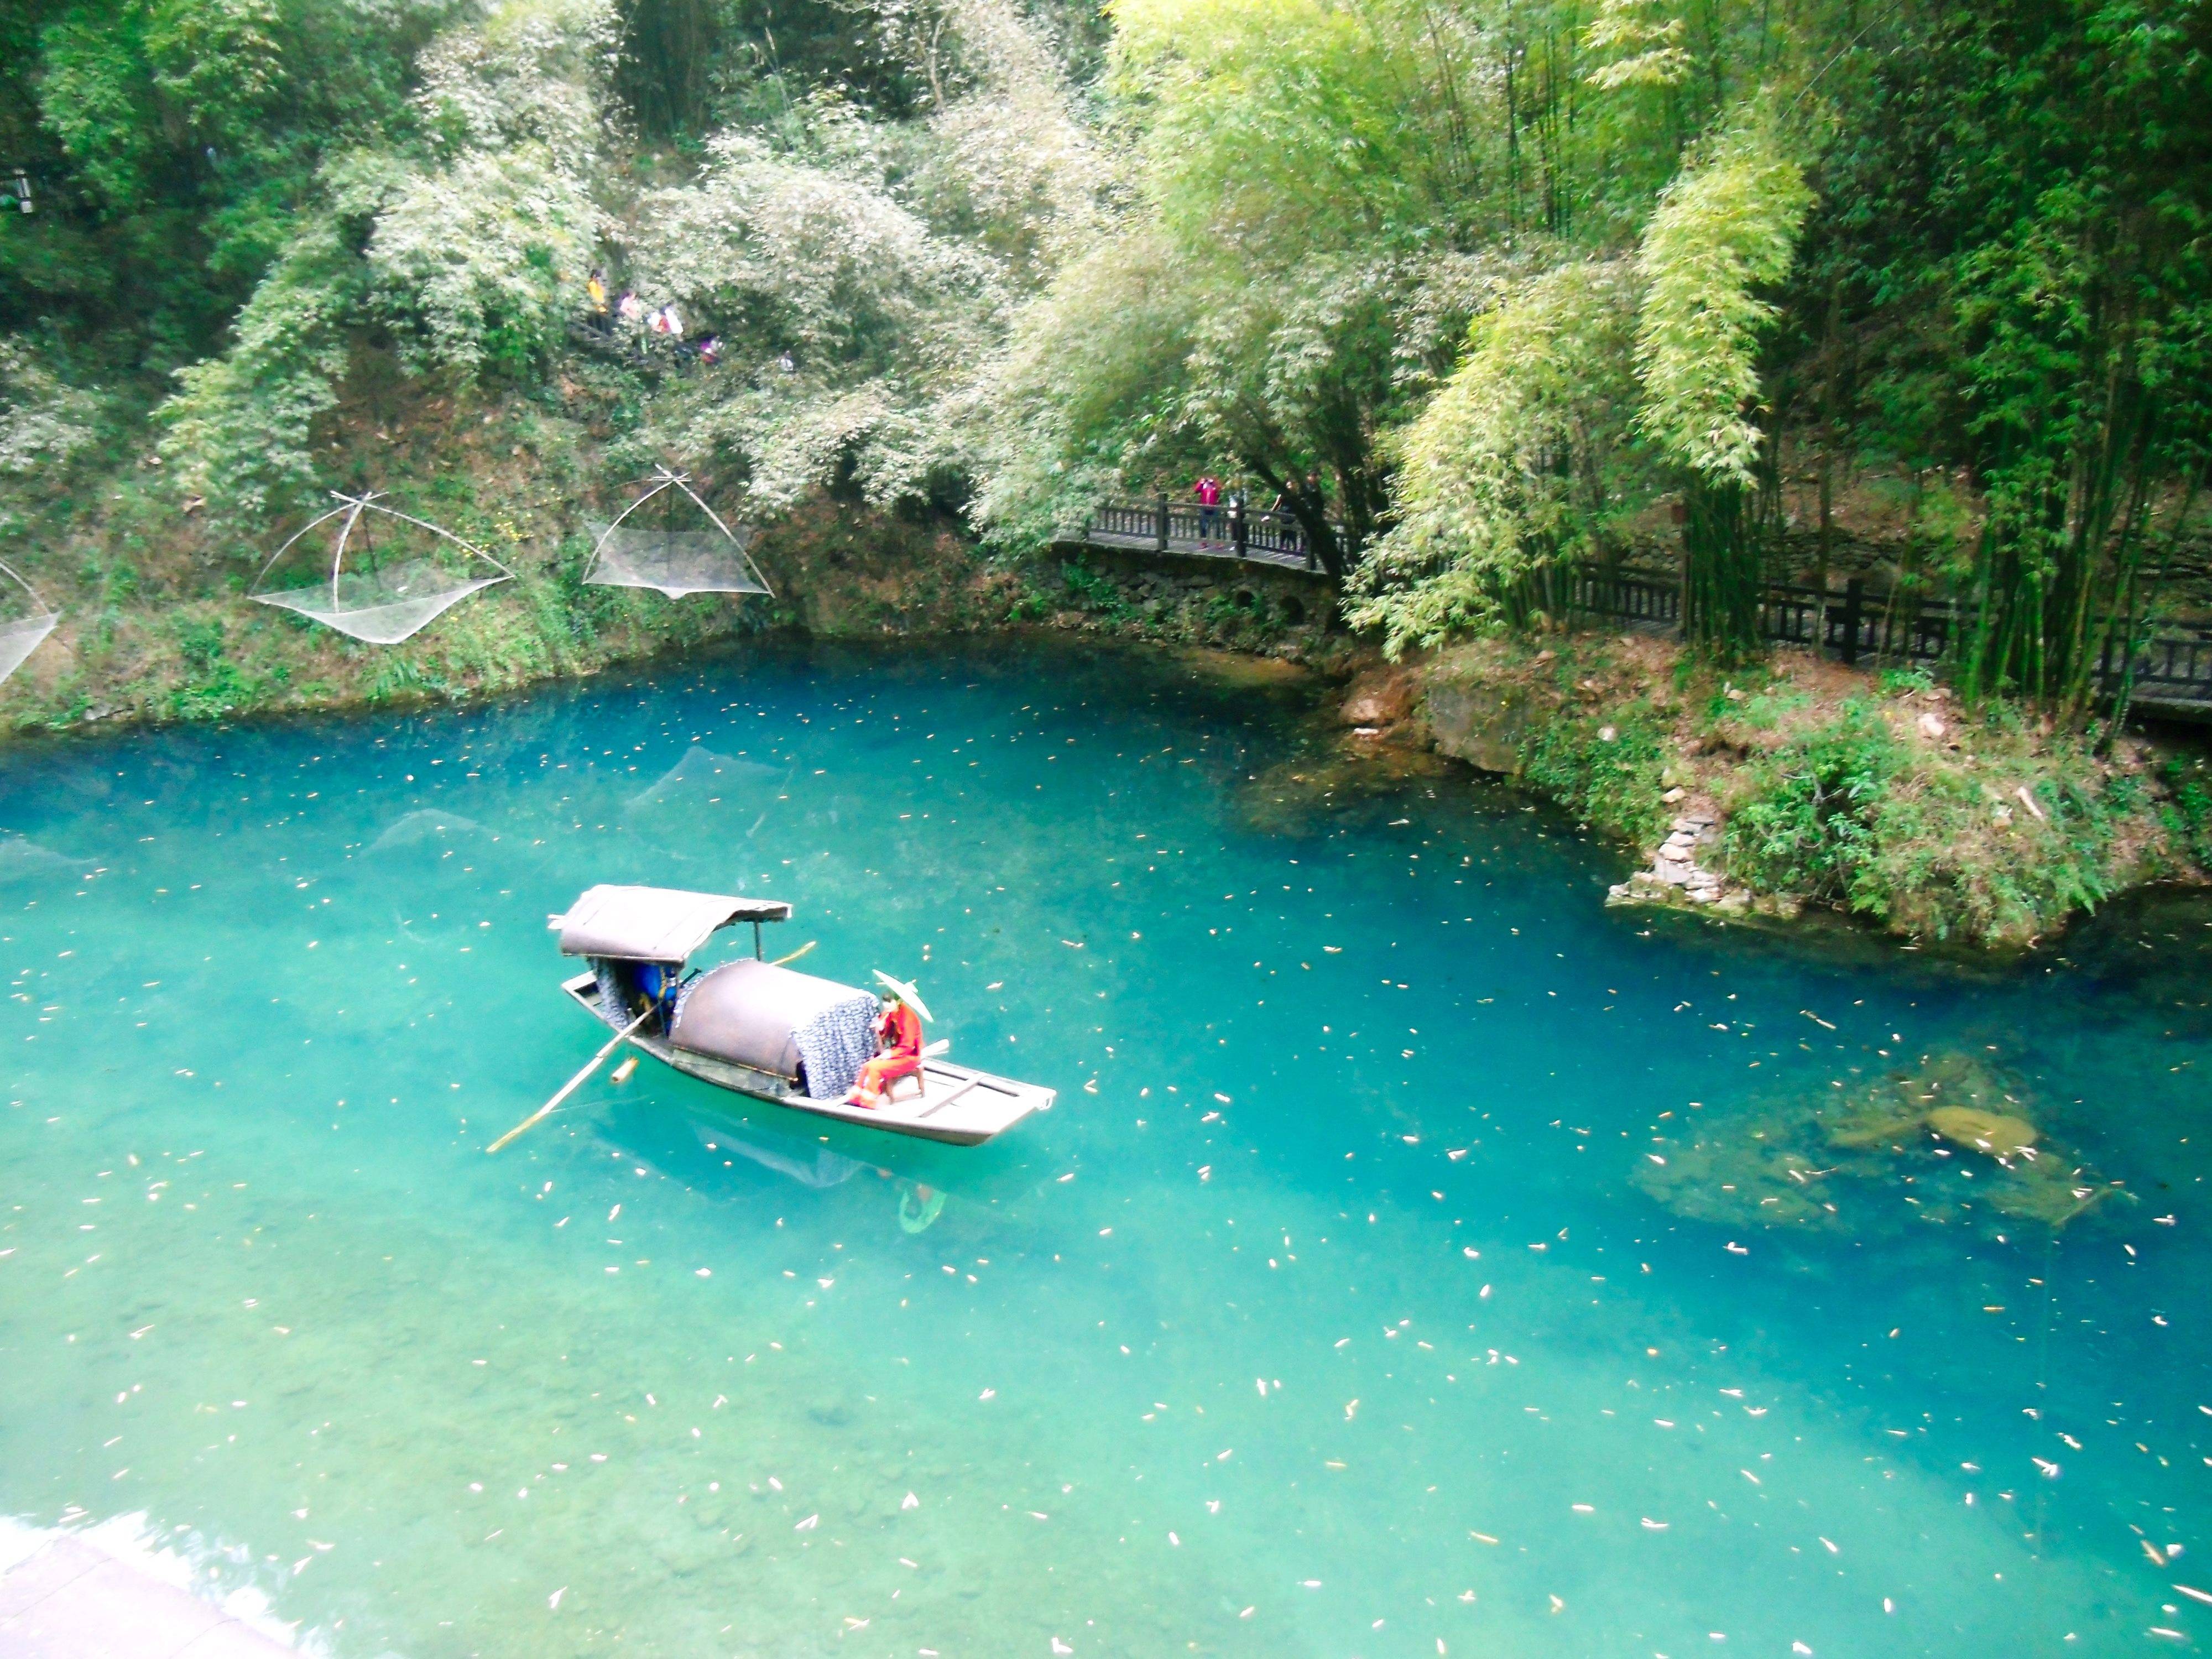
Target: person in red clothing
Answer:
[[1208, 491], [898, 1044]]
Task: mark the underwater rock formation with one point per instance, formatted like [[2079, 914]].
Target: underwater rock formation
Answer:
[[1948, 1141], [1303, 797], [1993, 1132]]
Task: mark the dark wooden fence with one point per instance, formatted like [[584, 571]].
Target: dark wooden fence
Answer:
[[1224, 531], [1859, 623], [1854, 624]]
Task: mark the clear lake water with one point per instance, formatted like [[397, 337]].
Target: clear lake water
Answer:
[[1408, 1267]]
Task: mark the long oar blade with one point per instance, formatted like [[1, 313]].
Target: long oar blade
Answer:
[[795, 954], [573, 1083]]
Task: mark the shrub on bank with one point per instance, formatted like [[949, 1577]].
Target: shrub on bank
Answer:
[[1877, 796], [1605, 769], [1999, 842]]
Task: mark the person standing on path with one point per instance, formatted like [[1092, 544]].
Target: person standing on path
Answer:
[[1285, 514], [1208, 491]]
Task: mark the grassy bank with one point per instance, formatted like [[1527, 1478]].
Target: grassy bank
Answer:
[[156, 626], [1881, 796]]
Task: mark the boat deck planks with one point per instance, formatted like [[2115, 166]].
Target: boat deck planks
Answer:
[[958, 1105]]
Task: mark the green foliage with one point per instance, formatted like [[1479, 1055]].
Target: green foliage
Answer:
[[213, 684], [1094, 590], [471, 257], [2013, 269], [1511, 466], [240, 426], [1292, 166], [1852, 815], [2187, 811], [172, 143], [485, 258], [1613, 781], [1810, 823], [44, 421], [1724, 230]]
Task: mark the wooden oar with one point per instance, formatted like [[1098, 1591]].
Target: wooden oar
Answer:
[[575, 1082], [795, 954]]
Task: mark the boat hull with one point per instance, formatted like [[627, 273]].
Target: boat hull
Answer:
[[958, 1105]]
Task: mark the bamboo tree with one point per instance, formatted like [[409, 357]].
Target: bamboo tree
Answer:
[[1724, 230]]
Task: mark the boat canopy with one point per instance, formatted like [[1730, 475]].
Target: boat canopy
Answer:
[[654, 924], [756, 1014]]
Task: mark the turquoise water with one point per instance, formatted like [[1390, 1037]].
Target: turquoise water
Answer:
[[1342, 1306]]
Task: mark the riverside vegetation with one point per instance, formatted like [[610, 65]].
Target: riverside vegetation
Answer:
[[1485, 293]]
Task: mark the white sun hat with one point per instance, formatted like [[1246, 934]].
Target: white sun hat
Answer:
[[905, 993]]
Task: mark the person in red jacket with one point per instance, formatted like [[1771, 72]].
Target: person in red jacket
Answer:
[[1208, 491], [898, 1045]]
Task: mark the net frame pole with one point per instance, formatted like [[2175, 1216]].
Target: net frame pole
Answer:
[[353, 507], [336, 551], [24, 582], [338, 547]]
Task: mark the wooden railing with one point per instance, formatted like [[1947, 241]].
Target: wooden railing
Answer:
[[1857, 624], [1853, 624], [1228, 531]]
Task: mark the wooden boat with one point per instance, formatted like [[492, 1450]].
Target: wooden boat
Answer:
[[755, 1027]]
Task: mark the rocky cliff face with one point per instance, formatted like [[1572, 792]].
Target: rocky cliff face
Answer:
[[1486, 723]]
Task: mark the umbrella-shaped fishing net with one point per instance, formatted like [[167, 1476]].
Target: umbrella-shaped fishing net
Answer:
[[25, 621], [382, 576], [670, 540]]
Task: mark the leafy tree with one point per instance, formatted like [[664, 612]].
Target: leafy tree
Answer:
[[1296, 174], [1507, 478], [1724, 230]]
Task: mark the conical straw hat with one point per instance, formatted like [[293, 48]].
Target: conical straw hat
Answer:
[[905, 993]]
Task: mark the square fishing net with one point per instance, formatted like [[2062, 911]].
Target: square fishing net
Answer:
[[383, 607], [386, 576], [670, 540], [675, 563], [25, 621], [21, 637]]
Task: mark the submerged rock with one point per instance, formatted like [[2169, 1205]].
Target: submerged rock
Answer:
[[1304, 796], [1828, 1159], [1736, 1179], [1988, 1132]]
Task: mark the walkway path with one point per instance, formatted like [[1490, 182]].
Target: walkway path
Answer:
[[1162, 527], [71, 1599]]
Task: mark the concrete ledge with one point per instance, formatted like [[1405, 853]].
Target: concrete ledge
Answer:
[[71, 1599]]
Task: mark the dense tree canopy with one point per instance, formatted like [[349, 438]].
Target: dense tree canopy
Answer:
[[1473, 286]]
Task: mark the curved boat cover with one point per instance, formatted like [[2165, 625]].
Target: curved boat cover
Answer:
[[655, 924], [756, 1014]]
